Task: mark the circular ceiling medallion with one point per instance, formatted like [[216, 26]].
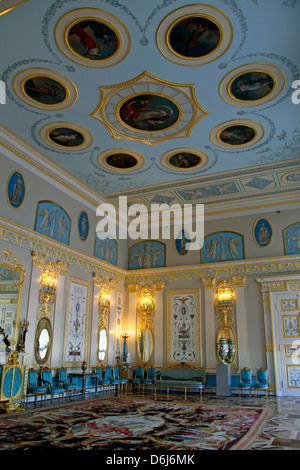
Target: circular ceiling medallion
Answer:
[[252, 84], [292, 177], [66, 136], [92, 37], [149, 109], [194, 35], [149, 112], [240, 133], [121, 160], [44, 89], [184, 159]]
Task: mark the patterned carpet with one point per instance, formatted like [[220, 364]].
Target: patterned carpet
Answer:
[[133, 423]]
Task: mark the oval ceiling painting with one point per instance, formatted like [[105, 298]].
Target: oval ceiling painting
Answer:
[[149, 112], [121, 160], [194, 37], [184, 160], [45, 90], [241, 134], [252, 84], [93, 40], [237, 135], [66, 136], [92, 37]]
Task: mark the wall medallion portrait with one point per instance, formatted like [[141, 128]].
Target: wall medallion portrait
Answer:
[[194, 35], [92, 37], [66, 136], [121, 160], [45, 89], [240, 134], [149, 112], [262, 232], [182, 242], [53, 222], [83, 226], [15, 192], [252, 84]]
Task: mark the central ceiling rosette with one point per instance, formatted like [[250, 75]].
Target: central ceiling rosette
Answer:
[[148, 109]]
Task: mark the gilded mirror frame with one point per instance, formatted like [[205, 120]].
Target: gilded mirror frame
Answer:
[[43, 324], [103, 327], [12, 322], [137, 345]]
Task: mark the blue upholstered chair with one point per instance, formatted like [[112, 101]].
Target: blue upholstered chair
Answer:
[[261, 381], [245, 380], [123, 382], [103, 382], [65, 383], [49, 382], [33, 386], [138, 377], [110, 376], [150, 377]]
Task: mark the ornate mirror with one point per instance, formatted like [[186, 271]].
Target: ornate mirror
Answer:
[[43, 341], [145, 345], [12, 276], [102, 344]]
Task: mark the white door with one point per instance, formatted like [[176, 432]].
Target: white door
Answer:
[[287, 343]]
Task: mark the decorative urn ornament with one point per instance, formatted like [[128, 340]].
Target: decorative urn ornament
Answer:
[[222, 349], [231, 349]]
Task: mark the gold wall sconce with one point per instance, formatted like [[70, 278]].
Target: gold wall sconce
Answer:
[[47, 287], [146, 301], [104, 298]]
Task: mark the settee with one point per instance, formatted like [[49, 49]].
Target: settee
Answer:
[[181, 378]]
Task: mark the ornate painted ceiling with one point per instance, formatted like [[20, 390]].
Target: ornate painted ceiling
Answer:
[[163, 101]]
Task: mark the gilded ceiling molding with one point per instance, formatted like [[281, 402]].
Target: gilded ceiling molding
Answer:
[[148, 109], [44, 247]]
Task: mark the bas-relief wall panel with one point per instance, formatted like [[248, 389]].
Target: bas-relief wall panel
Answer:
[[243, 225], [39, 190]]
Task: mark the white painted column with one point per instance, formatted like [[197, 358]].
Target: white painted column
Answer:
[[93, 360], [158, 333], [210, 326], [131, 326], [111, 329], [241, 321], [58, 324]]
